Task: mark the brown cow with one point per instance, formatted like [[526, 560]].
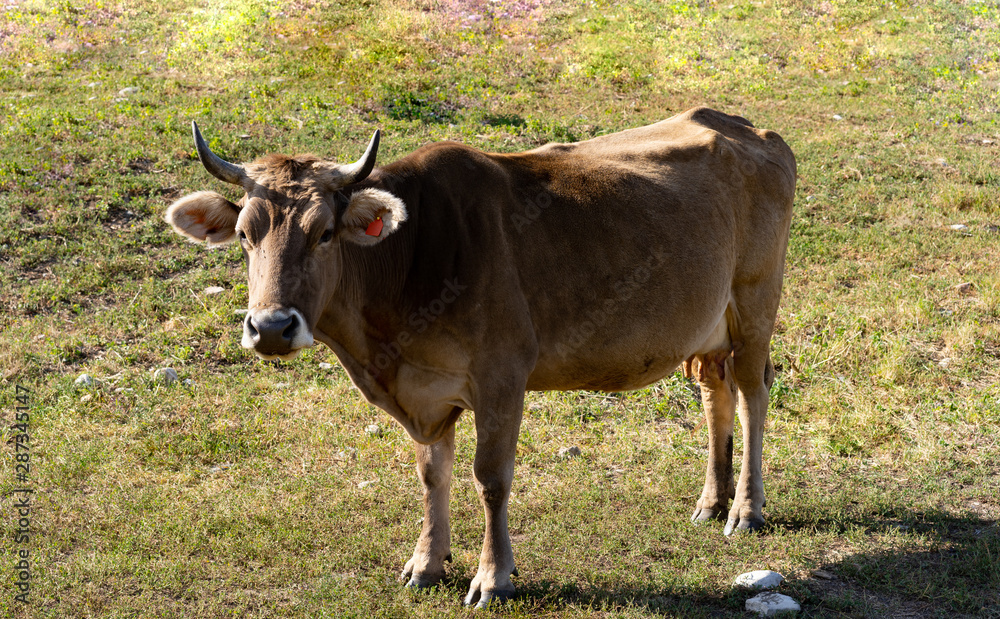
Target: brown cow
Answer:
[[455, 279]]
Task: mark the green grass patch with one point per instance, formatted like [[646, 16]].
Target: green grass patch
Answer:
[[237, 493]]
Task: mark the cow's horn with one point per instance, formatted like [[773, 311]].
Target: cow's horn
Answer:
[[217, 166], [360, 169]]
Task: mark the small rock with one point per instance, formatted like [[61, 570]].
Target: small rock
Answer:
[[771, 604], [569, 452], [244, 137], [373, 430], [810, 198], [959, 227], [987, 141], [825, 575], [365, 484], [325, 366], [759, 579], [838, 117], [124, 390], [965, 288], [188, 382], [84, 380], [945, 363], [87, 398], [131, 90], [214, 290], [348, 454], [282, 385], [165, 375]]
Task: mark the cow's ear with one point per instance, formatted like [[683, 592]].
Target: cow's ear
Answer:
[[204, 215], [371, 215]]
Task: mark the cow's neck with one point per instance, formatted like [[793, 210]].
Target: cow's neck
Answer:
[[366, 309]]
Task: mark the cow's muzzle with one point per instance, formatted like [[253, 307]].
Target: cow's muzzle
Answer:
[[276, 333]]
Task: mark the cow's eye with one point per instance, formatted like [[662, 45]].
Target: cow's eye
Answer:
[[243, 236], [327, 237]]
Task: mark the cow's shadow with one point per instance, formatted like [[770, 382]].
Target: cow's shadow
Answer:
[[944, 566]]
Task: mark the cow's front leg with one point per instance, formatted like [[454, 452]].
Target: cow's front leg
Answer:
[[434, 466], [754, 381], [718, 395], [497, 427]]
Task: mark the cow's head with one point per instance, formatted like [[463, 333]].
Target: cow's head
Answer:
[[292, 225]]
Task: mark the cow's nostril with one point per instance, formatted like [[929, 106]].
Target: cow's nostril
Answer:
[[289, 331], [251, 330]]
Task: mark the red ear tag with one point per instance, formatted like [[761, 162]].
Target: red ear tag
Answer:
[[375, 227]]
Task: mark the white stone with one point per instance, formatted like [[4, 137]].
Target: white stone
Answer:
[[838, 117], [131, 90], [770, 604], [373, 430], [569, 452], [84, 380], [365, 484], [959, 227], [165, 375], [759, 579], [87, 398], [325, 366], [214, 290]]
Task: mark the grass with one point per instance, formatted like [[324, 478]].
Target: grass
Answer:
[[238, 494]]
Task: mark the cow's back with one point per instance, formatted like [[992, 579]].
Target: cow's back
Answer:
[[627, 245]]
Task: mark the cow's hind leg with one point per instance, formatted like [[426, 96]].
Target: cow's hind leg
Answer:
[[434, 466], [714, 372], [753, 372], [498, 421]]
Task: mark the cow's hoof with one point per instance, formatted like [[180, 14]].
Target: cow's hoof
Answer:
[[703, 514], [485, 598], [419, 581], [743, 525]]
